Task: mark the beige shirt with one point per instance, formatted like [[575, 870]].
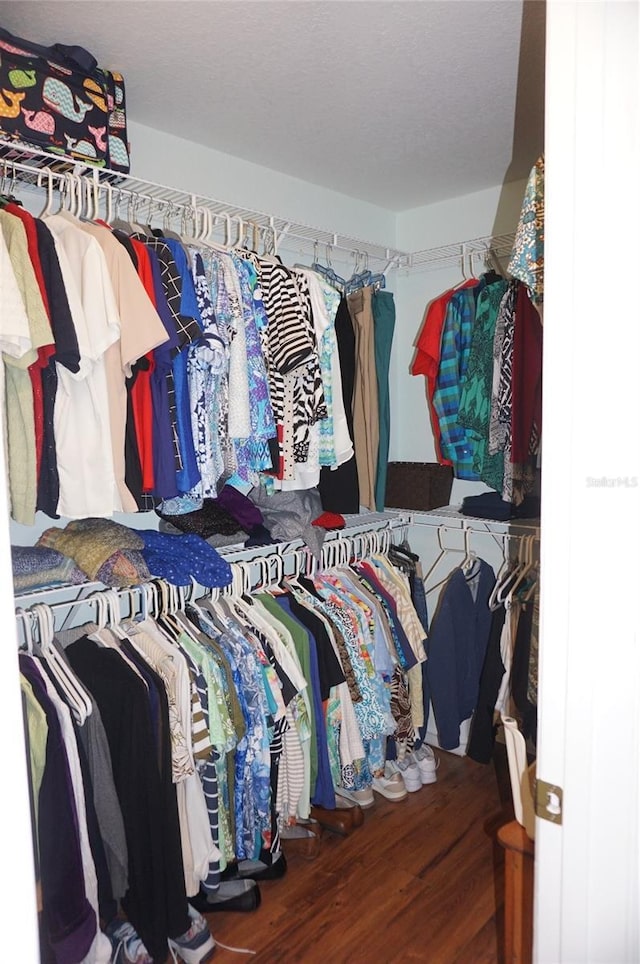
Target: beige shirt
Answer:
[[141, 330]]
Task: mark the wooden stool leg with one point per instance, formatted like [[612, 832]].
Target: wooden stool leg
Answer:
[[518, 909]]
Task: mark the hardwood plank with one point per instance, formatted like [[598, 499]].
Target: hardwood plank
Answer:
[[421, 880]]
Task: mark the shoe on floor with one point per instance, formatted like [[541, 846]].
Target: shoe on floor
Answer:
[[196, 945], [340, 820], [390, 785], [364, 798], [127, 946], [427, 763], [355, 810], [258, 869], [237, 895], [408, 770], [302, 838]]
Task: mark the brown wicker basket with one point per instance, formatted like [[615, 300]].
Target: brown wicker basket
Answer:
[[418, 485]]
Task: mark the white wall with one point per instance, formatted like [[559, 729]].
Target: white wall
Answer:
[[490, 212], [172, 161]]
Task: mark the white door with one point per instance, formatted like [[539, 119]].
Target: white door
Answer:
[[587, 895]]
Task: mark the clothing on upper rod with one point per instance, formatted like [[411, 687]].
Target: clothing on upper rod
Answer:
[[480, 348], [194, 366]]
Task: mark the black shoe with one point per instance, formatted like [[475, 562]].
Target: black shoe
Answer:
[[256, 870], [240, 898]]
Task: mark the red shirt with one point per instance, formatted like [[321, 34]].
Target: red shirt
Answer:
[[427, 359], [141, 400]]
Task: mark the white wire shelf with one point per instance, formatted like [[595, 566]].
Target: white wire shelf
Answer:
[[145, 200]]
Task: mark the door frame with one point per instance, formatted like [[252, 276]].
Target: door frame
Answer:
[[587, 869]]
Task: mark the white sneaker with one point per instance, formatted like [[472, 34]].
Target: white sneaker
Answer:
[[410, 772], [196, 945], [427, 763], [390, 785], [364, 798]]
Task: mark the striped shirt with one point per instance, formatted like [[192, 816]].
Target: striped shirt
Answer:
[[456, 442]]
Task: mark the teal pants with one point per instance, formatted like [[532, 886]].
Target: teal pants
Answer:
[[384, 320]]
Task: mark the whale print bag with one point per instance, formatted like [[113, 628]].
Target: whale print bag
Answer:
[[59, 100]]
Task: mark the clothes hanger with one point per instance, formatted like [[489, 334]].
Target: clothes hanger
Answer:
[[240, 233], [470, 557], [490, 274], [504, 572], [359, 279], [465, 253], [503, 595], [327, 271], [9, 197], [114, 620], [49, 202], [117, 223], [132, 213], [25, 618], [191, 215], [77, 698], [206, 239], [527, 567]]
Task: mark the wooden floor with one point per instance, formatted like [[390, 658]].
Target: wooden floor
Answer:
[[421, 880]]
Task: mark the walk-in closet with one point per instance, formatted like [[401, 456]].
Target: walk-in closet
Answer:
[[321, 448]]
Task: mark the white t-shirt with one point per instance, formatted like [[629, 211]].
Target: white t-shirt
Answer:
[[81, 416]]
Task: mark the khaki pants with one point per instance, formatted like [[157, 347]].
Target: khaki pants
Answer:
[[365, 395]]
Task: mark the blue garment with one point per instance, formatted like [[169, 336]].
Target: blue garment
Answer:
[[181, 558], [252, 454], [188, 301], [406, 657], [162, 307], [188, 475], [456, 649], [323, 794], [252, 788]]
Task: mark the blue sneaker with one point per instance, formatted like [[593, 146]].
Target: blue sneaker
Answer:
[[197, 945], [126, 944]]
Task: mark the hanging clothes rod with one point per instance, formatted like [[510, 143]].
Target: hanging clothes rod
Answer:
[[282, 560], [26, 164], [463, 253], [356, 531], [23, 163]]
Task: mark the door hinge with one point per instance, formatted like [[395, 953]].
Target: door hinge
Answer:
[[548, 801]]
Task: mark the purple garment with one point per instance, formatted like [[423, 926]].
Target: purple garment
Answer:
[[243, 510], [69, 919]]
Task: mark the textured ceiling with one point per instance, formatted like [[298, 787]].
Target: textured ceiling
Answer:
[[398, 103]]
